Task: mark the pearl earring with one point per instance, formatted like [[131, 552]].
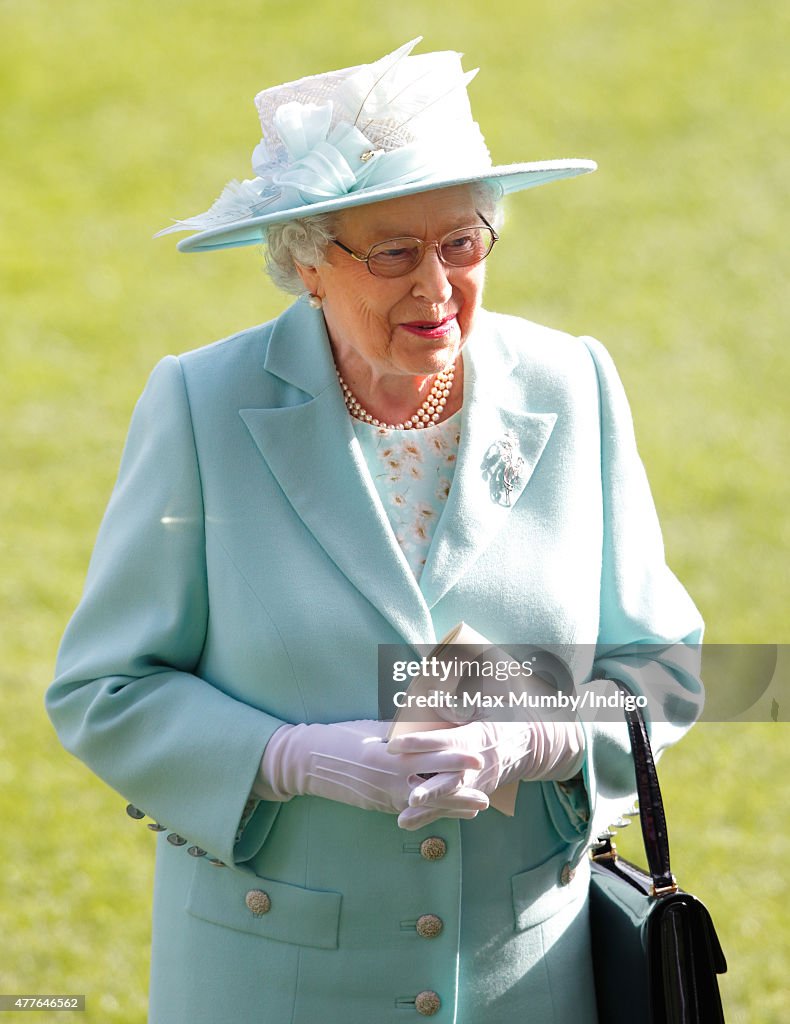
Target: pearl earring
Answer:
[[315, 302]]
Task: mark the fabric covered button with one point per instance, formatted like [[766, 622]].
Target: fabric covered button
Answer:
[[427, 1003], [258, 901], [567, 874], [429, 925], [433, 848]]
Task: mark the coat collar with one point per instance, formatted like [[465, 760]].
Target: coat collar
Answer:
[[312, 451], [298, 351]]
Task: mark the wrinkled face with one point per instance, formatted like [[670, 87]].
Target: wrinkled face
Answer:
[[415, 324]]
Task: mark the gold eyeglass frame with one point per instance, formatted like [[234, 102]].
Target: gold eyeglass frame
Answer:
[[423, 245]]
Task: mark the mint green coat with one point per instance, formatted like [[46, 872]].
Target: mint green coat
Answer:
[[243, 576]]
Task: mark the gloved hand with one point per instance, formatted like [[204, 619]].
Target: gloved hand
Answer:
[[538, 750], [349, 762]]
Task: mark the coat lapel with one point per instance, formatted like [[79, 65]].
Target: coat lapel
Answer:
[[312, 451], [478, 506]]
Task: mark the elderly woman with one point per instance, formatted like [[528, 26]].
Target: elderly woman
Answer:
[[379, 463]]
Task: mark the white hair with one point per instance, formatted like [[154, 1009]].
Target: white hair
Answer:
[[297, 241], [305, 240]]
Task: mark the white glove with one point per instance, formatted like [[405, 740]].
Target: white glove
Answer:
[[538, 750], [349, 762]]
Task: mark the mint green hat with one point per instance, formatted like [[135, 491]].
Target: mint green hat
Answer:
[[361, 135]]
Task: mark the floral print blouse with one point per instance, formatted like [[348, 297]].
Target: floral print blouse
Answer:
[[412, 471]]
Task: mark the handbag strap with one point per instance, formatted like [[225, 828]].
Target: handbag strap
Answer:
[[651, 806]]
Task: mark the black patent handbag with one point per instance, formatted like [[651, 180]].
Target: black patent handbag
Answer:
[[656, 955]]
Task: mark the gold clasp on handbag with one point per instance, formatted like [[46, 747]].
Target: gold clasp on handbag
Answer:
[[605, 849], [665, 890]]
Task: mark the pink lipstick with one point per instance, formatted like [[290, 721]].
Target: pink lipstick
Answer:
[[431, 328]]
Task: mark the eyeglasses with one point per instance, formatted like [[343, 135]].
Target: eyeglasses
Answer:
[[395, 257]]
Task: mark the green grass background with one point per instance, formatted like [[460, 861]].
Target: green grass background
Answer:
[[120, 114]]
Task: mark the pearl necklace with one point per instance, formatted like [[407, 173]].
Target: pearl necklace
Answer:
[[430, 411]]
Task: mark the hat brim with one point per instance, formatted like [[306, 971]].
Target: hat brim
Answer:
[[510, 177]]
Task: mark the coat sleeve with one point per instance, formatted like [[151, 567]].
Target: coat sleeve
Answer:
[[126, 699], [649, 633]]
